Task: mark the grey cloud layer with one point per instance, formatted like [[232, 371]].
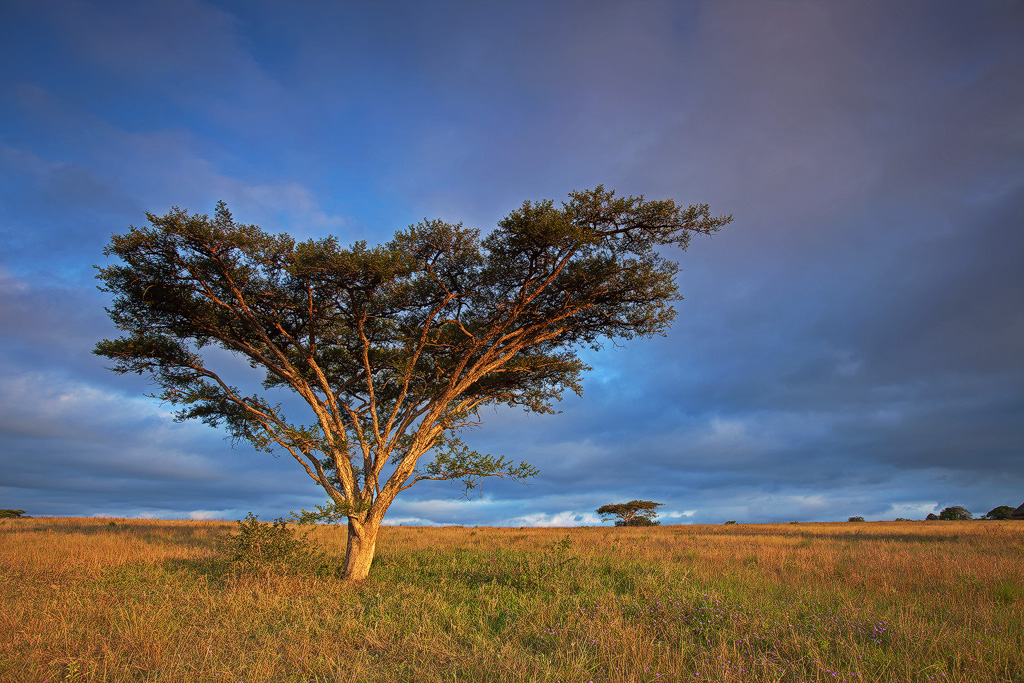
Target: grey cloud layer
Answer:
[[852, 344]]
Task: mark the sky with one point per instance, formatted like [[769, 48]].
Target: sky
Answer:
[[852, 344]]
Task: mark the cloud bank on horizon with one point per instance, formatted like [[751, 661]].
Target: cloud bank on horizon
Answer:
[[853, 344]]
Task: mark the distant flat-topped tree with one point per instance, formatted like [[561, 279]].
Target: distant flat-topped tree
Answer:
[[633, 513], [393, 348]]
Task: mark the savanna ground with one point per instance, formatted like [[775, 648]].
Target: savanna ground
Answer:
[[139, 600]]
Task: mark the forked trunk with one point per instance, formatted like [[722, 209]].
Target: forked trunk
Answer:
[[362, 544]]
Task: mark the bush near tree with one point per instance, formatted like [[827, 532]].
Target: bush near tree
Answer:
[[262, 546]]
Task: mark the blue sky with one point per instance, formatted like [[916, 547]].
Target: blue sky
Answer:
[[853, 344]]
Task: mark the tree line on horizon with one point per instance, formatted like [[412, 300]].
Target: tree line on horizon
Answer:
[[960, 513]]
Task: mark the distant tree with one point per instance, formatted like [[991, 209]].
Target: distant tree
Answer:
[[633, 513], [901, 519], [932, 517], [393, 349], [857, 518], [731, 521], [6, 513], [955, 513], [1001, 512]]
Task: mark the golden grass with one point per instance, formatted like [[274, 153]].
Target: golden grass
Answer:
[[141, 600]]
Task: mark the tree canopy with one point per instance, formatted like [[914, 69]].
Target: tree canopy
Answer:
[[394, 348], [956, 513], [633, 513], [1000, 512]]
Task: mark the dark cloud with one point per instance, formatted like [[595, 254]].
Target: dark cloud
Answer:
[[850, 345]]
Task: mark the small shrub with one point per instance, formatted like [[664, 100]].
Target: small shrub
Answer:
[[731, 521], [856, 518], [260, 546]]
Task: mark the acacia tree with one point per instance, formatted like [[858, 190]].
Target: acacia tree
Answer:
[[1000, 512], [633, 513], [956, 513], [394, 348]]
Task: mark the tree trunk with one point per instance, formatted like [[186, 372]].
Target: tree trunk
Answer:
[[362, 544]]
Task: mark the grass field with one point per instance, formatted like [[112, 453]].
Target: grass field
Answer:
[[139, 600]]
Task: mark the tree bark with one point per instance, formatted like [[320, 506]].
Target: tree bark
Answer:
[[362, 544]]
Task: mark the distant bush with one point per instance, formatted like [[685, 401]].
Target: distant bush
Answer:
[[11, 513], [857, 518], [955, 513], [262, 546], [731, 521], [902, 519], [931, 517]]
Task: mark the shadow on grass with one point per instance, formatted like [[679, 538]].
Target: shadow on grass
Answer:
[[854, 535], [221, 570]]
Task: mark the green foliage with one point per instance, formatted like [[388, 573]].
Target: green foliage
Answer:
[[731, 521], [633, 513], [331, 513], [261, 546], [856, 518], [1001, 512], [955, 513], [931, 517], [457, 462], [8, 513], [637, 521]]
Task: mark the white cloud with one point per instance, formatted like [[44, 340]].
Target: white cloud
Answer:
[[213, 514], [910, 509], [556, 519]]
